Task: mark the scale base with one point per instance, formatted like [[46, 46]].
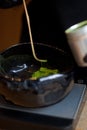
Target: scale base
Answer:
[[60, 116]]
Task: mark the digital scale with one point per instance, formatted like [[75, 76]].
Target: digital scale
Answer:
[[60, 116]]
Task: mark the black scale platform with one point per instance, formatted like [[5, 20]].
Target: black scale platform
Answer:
[[60, 116]]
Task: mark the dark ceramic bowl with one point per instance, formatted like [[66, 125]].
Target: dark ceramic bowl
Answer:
[[16, 67]]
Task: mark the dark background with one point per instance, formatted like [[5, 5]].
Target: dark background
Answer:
[[50, 18]]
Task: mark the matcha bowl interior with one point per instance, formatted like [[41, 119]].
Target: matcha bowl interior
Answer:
[[29, 83]]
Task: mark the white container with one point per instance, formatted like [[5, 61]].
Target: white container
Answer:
[[77, 39]]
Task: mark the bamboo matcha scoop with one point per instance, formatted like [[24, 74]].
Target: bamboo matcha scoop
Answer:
[[31, 39]]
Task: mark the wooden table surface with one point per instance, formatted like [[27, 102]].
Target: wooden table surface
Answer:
[[82, 121]]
